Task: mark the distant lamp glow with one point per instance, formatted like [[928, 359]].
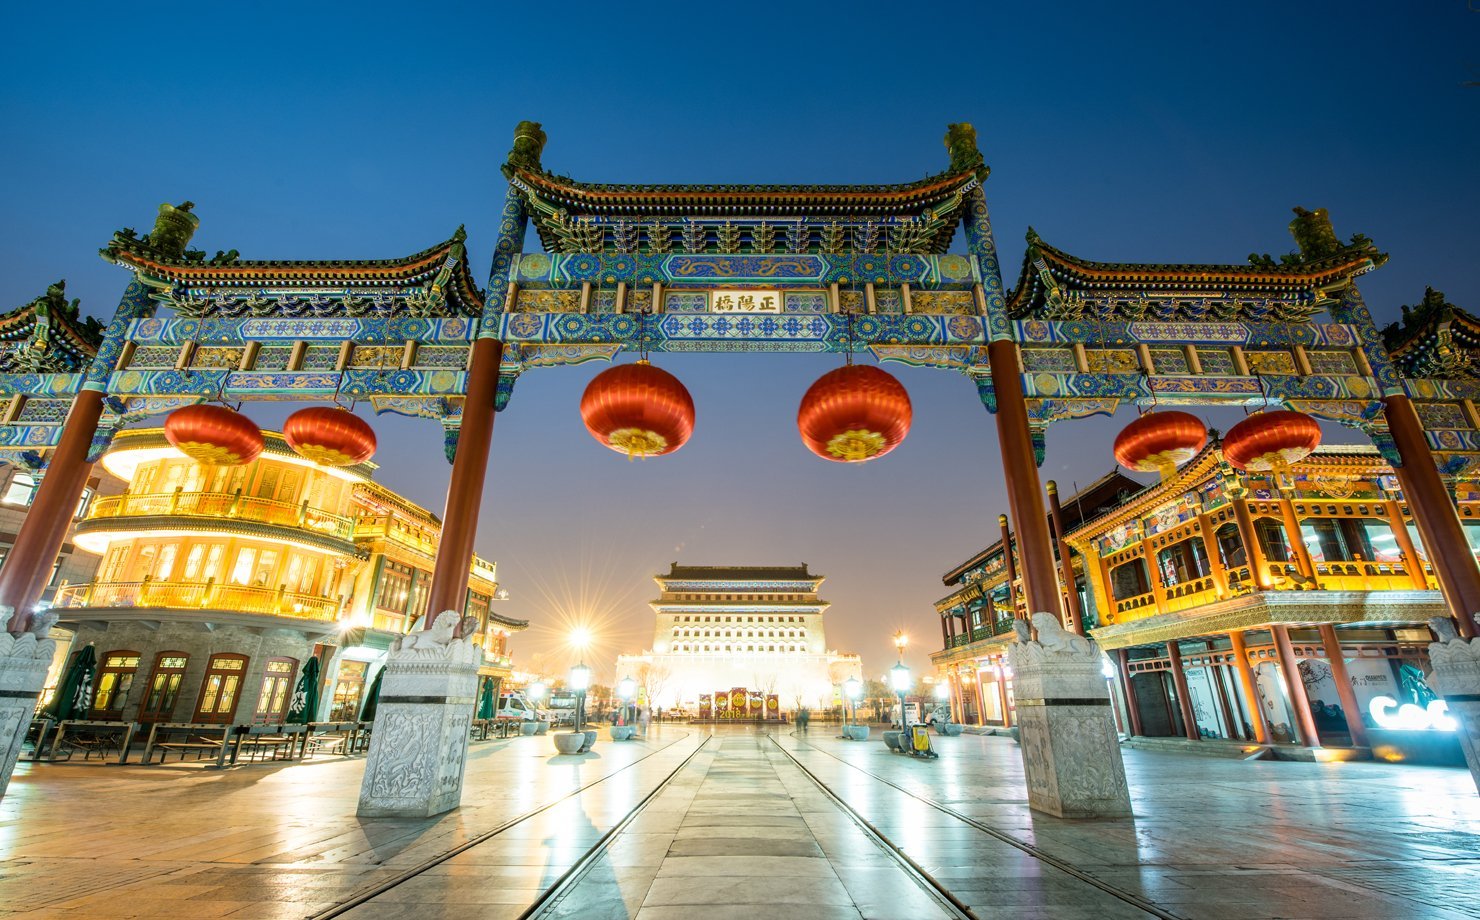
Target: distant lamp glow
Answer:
[[899, 677], [580, 678], [1106, 667], [853, 688], [536, 691], [942, 692], [580, 637], [900, 641], [627, 689]]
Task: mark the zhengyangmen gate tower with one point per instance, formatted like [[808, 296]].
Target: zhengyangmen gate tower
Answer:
[[860, 269]]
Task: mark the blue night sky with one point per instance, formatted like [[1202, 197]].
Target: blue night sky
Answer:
[[1148, 132]]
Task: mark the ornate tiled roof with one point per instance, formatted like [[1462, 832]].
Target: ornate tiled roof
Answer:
[[444, 265], [1056, 285], [1435, 339], [48, 335], [678, 572]]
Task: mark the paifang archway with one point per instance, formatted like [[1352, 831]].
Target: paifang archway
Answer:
[[851, 268]]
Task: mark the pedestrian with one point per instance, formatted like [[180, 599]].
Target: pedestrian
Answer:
[[645, 719], [803, 717]]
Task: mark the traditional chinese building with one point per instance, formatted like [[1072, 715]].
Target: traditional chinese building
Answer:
[[720, 629], [976, 618], [216, 583]]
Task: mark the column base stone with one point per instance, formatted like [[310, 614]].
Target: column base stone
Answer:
[[419, 742], [1456, 664], [24, 661], [1066, 726]]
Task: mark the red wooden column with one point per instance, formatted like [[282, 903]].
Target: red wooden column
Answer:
[[1354, 726], [1066, 564], [1024, 492], [1012, 591], [1433, 511], [1184, 698], [1305, 723], [1132, 709], [465, 490], [1251, 690], [1002, 690], [945, 633], [30, 562]]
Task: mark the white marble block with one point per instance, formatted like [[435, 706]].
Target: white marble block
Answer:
[[24, 660], [419, 744], [1071, 752], [1456, 678]]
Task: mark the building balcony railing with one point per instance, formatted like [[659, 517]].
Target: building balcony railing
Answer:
[[1000, 627], [182, 595], [1136, 602], [386, 527], [224, 505], [1192, 593]]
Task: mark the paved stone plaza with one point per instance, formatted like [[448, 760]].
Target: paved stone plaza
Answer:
[[742, 823]]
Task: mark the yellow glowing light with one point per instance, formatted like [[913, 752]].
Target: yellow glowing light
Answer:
[[580, 638]]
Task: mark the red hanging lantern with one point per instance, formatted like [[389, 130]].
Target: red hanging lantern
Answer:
[[638, 410], [1271, 441], [1159, 442], [329, 436], [213, 435], [854, 413]]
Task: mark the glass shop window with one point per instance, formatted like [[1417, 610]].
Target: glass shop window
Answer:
[[421, 583], [20, 490], [1129, 579], [163, 689], [83, 503], [193, 561], [166, 565], [221, 689], [277, 689], [115, 678], [348, 686], [1272, 541], [1231, 546], [213, 560], [395, 586], [241, 573]]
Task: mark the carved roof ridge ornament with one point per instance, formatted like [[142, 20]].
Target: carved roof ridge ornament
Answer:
[[1435, 339]]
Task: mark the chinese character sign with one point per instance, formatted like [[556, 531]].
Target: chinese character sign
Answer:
[[745, 301]]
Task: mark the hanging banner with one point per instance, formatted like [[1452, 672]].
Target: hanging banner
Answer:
[[738, 699], [706, 705], [773, 706], [721, 705]]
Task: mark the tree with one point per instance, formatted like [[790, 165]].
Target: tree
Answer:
[[651, 680]]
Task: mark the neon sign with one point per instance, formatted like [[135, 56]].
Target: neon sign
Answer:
[[1388, 714]]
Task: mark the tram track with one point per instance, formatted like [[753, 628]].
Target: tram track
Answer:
[[366, 895], [917, 872], [1064, 866]]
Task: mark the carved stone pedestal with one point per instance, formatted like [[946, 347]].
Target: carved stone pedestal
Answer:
[[1071, 753], [1456, 678], [420, 742], [24, 660]]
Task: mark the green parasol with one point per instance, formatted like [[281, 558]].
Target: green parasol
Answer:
[[372, 698], [485, 701], [306, 695], [74, 695]]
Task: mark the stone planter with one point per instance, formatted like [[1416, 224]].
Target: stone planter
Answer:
[[570, 742], [623, 732], [856, 732], [891, 740], [529, 728], [947, 729], [590, 740], [541, 727]]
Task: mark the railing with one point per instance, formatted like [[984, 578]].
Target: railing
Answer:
[[1135, 602], [385, 526], [1193, 593], [1364, 576], [999, 627], [229, 505], [179, 595]]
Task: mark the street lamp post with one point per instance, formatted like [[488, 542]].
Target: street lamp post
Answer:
[[580, 681], [899, 676], [536, 692], [852, 690], [626, 691]]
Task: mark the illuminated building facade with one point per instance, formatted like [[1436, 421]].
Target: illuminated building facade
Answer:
[[216, 583], [722, 628]]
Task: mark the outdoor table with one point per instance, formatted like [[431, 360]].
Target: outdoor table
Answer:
[[103, 732], [260, 737], [346, 733], [42, 726], [188, 728]]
